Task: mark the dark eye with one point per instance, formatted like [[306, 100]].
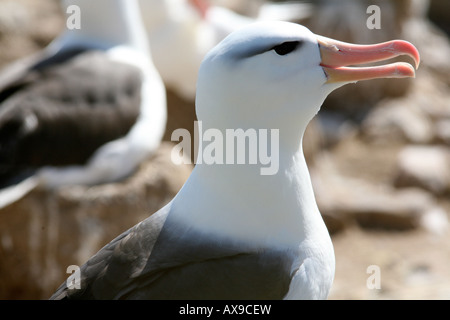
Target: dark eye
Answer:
[[286, 47]]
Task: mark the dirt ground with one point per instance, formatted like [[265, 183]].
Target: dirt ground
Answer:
[[412, 265]]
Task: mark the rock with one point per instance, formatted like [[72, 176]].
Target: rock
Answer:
[[433, 45], [431, 95], [398, 120], [427, 167], [393, 210], [19, 36], [439, 13], [45, 232], [344, 201], [435, 220], [347, 19], [422, 116], [442, 129]]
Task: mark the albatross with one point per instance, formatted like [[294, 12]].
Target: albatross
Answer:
[[232, 232], [87, 109], [194, 27]]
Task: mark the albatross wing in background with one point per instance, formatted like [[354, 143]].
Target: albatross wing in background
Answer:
[[65, 107], [87, 109]]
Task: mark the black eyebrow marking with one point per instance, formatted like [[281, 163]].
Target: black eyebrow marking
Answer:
[[248, 52]]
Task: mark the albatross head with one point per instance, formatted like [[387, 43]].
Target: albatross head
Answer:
[[274, 74]]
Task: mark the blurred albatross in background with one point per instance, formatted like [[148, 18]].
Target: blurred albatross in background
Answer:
[[183, 31], [87, 109]]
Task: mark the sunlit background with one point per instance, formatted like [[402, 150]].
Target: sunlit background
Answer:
[[378, 152]]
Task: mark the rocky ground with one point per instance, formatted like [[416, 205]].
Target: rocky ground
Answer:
[[379, 154]]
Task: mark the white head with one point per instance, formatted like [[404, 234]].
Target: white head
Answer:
[[260, 75], [277, 74]]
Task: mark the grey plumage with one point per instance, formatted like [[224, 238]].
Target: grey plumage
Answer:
[[161, 259]]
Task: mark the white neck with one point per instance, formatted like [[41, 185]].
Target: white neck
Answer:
[[106, 23], [240, 203]]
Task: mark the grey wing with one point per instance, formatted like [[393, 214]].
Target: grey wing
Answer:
[[181, 264], [246, 276]]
